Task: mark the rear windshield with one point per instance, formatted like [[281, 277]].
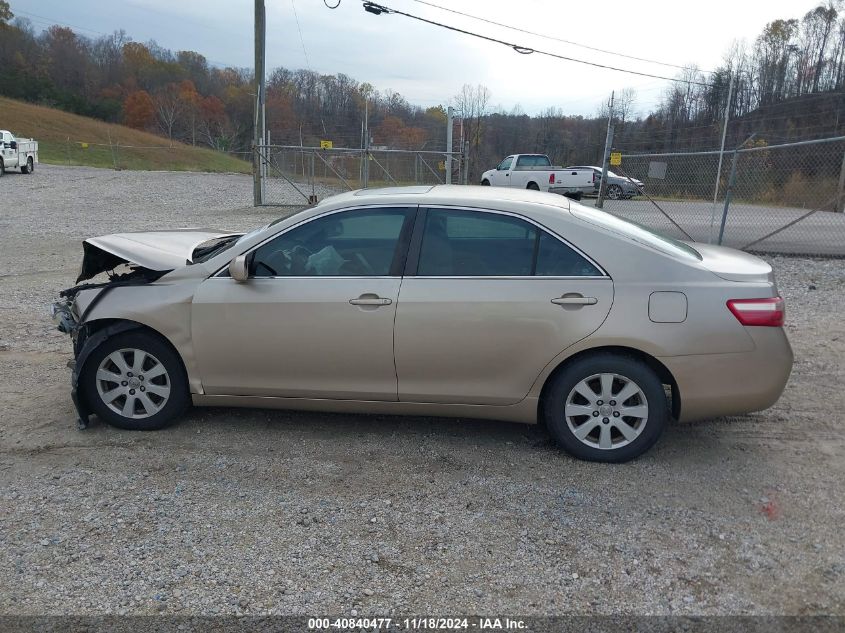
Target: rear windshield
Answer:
[[533, 161], [634, 231]]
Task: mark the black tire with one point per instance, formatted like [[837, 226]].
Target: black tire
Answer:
[[2, 167], [485, 183], [614, 192], [173, 406], [562, 388], [533, 186], [29, 167]]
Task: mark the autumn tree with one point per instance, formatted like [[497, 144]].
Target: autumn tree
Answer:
[[190, 99], [138, 109]]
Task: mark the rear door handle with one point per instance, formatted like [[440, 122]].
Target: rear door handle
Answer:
[[371, 301], [575, 301]]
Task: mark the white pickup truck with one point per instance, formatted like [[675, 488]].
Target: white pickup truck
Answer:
[[535, 171], [17, 152]]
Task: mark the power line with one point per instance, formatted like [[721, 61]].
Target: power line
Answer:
[[556, 39], [301, 40], [378, 9], [52, 21]]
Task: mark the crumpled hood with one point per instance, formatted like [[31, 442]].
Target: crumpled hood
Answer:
[[160, 251]]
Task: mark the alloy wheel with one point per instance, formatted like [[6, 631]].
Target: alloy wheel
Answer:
[[606, 411], [133, 383]]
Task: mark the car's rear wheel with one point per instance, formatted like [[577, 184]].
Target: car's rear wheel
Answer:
[[135, 381], [29, 167], [606, 407], [614, 192], [533, 186]]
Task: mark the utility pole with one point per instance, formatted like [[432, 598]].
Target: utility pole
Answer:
[[366, 153], [449, 125], [721, 156], [608, 141], [258, 136]]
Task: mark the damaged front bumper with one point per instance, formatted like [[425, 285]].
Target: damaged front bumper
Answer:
[[62, 314]]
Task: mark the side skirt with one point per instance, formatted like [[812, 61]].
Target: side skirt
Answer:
[[524, 411]]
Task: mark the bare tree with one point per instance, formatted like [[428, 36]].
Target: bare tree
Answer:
[[169, 106], [471, 105]]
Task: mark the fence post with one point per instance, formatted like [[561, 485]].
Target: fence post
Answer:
[[728, 196], [465, 161], [449, 145], [840, 198], [608, 142]]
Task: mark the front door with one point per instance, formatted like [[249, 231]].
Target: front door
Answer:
[[315, 319], [502, 176], [493, 299]]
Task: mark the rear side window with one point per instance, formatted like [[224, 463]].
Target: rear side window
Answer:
[[458, 243], [556, 259], [475, 244]]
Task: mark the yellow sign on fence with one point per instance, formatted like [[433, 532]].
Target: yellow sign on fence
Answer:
[[84, 145], [616, 158], [441, 165], [325, 144]]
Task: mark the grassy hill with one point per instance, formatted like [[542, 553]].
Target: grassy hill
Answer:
[[61, 136]]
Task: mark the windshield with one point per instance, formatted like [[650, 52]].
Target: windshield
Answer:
[[634, 231]]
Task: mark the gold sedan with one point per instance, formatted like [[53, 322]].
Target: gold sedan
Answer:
[[453, 301]]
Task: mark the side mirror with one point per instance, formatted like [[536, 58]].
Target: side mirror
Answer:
[[13, 145], [238, 269]]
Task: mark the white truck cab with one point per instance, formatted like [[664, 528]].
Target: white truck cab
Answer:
[[535, 171], [17, 152]]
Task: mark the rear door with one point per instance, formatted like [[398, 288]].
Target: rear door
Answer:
[[488, 300]]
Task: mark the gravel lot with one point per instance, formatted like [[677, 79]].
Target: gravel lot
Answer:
[[256, 512]]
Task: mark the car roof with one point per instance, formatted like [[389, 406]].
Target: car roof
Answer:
[[457, 195]]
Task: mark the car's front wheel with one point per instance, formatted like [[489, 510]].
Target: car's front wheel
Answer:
[[606, 407], [135, 381]]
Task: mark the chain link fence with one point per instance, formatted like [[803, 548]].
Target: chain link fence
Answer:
[[313, 172], [775, 199]]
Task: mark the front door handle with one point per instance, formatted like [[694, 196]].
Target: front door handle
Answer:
[[576, 300], [371, 301]]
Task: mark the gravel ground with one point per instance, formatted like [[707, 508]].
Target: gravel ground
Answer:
[[256, 512]]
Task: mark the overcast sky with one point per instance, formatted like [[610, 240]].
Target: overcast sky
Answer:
[[427, 64]]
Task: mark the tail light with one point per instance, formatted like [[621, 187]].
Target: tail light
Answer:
[[761, 312], [594, 177], [552, 178]]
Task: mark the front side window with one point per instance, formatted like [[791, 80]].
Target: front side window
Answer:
[[358, 243], [458, 243], [505, 164]]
